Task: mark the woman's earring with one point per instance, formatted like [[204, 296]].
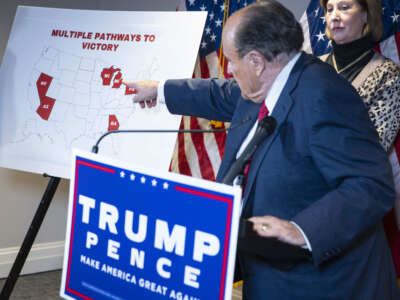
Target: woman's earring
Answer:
[[365, 29]]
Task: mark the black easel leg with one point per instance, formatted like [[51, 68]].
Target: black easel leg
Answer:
[[29, 238]]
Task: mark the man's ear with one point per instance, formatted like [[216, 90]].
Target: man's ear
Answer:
[[256, 61]]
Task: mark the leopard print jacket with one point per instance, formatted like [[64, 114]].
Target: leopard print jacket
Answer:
[[378, 84]]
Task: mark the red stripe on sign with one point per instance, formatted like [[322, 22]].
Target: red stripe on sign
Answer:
[[206, 169], [78, 162], [78, 294], [226, 248], [95, 166], [183, 164], [202, 194]]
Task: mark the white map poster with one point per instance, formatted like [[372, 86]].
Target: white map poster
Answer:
[[61, 84]]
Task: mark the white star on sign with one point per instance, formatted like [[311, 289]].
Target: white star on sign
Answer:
[[154, 182], [218, 23], [122, 174], [132, 177], [165, 186], [395, 18], [143, 179], [213, 37], [320, 36]]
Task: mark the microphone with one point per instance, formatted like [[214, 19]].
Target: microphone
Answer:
[[95, 148], [264, 129]]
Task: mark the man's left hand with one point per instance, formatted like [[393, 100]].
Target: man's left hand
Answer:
[[269, 226]]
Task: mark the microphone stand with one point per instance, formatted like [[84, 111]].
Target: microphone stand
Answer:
[[95, 148]]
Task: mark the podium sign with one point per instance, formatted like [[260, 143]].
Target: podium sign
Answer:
[[137, 234]]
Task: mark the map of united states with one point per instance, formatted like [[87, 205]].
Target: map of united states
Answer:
[[76, 99]]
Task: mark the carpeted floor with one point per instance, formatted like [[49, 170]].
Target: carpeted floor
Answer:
[[46, 286], [43, 286]]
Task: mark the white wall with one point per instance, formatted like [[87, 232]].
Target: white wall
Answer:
[[20, 192]]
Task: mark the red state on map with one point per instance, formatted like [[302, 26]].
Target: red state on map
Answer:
[[107, 74], [43, 84], [113, 123], [45, 107], [130, 91], [117, 81]]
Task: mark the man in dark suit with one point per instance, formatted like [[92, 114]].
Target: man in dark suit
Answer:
[[321, 180]]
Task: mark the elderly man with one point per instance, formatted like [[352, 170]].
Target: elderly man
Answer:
[[320, 181]]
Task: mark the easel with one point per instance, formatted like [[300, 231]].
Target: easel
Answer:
[[30, 237]]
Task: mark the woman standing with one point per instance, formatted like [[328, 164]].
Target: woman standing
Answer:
[[354, 26]]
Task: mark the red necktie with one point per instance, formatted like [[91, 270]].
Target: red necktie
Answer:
[[263, 112], [261, 115]]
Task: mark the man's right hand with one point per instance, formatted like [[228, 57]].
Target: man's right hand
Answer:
[[146, 92]]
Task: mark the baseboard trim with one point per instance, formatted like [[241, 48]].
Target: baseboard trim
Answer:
[[42, 257]]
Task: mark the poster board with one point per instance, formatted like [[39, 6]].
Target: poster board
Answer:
[[60, 84]]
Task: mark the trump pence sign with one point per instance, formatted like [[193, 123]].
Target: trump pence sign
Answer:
[[137, 234]]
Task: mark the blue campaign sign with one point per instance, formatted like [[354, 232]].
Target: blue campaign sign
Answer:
[[137, 234]]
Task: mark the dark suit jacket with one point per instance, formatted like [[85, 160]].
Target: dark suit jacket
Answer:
[[322, 168]]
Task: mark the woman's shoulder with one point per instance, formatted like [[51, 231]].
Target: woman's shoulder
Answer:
[[383, 64], [379, 72]]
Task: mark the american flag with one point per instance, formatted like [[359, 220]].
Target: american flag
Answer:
[[316, 42], [199, 154]]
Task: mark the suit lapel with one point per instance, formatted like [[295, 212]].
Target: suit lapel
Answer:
[[247, 110], [280, 112]]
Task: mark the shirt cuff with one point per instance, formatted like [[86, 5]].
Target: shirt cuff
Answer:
[[160, 92], [307, 245]]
